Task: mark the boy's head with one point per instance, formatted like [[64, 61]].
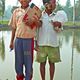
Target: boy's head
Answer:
[[24, 3], [47, 1], [49, 4]]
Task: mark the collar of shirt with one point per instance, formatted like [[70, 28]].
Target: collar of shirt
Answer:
[[52, 14], [20, 8]]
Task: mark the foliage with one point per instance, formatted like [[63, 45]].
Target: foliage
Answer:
[[59, 7], [70, 23], [3, 22], [2, 7], [69, 10], [77, 10]]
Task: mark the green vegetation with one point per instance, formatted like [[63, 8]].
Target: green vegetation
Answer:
[[4, 28], [3, 22], [70, 23], [2, 8]]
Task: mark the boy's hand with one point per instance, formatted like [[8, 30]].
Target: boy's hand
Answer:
[[33, 22], [39, 23], [57, 26], [57, 29], [11, 46], [29, 21], [36, 46]]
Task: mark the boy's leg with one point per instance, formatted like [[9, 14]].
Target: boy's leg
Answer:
[[41, 58], [42, 70], [52, 70], [19, 59], [28, 67], [53, 57], [28, 57]]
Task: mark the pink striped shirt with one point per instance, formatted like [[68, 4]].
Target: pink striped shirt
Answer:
[[22, 30]]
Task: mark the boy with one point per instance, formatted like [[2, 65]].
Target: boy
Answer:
[[24, 41], [47, 42]]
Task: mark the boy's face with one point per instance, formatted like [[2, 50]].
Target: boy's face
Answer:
[[24, 3], [50, 6]]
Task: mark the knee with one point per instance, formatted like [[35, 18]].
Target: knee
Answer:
[[42, 65]]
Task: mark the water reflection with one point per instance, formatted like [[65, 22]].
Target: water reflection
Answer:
[[75, 45], [75, 34], [7, 65], [2, 47], [68, 69], [76, 39], [67, 34]]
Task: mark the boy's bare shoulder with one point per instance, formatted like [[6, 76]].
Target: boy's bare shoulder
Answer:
[[15, 8]]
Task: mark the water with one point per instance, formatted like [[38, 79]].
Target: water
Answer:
[[67, 69]]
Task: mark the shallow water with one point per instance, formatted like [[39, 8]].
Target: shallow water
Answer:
[[67, 69]]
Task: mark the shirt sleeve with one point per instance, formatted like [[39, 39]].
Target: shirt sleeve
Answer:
[[12, 22]]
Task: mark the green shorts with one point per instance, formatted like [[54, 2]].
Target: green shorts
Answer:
[[52, 53]]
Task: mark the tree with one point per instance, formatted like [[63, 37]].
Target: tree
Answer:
[[59, 7], [2, 7], [68, 3], [77, 10], [68, 9]]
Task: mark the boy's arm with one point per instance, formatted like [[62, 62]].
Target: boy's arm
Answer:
[[35, 41], [12, 38], [12, 25], [37, 34]]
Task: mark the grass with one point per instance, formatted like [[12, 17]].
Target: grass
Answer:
[[70, 23], [3, 22]]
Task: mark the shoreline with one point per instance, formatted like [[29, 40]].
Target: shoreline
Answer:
[[6, 27]]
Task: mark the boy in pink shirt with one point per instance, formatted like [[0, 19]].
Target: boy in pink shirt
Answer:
[[24, 41]]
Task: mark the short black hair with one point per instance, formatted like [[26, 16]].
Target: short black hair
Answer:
[[45, 1]]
